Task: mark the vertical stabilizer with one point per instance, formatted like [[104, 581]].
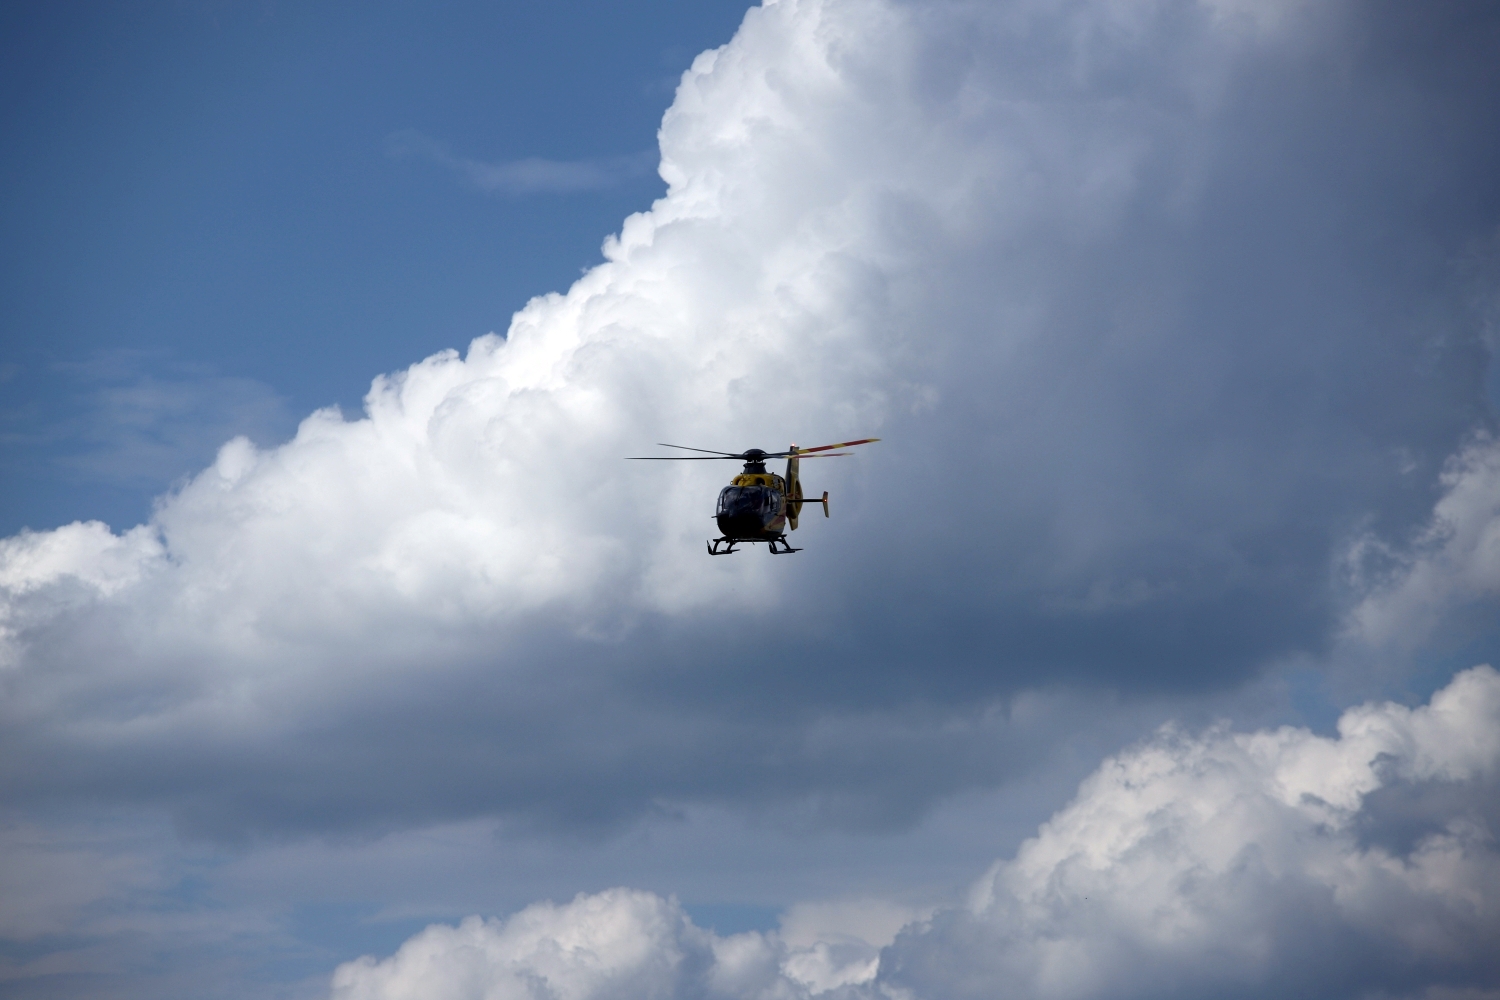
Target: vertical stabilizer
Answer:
[[793, 489]]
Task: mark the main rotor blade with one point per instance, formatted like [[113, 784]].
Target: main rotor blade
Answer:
[[830, 447], [806, 452], [710, 451], [720, 458], [709, 455]]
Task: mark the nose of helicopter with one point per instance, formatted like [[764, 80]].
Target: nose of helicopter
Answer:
[[740, 525]]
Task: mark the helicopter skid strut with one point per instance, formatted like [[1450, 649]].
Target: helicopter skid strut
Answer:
[[730, 543]]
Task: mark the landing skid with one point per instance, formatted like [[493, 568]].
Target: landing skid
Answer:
[[730, 543]]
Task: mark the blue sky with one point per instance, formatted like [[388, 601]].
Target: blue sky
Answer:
[[342, 655], [207, 191]]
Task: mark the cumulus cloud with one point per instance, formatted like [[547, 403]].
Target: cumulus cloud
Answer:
[[616, 943], [1276, 862], [1250, 864], [625, 942], [1102, 276], [1449, 565]]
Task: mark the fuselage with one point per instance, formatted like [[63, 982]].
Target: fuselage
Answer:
[[753, 507]]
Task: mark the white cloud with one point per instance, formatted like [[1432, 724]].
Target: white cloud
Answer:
[[1222, 864], [837, 943], [619, 943], [628, 943], [1252, 864], [43, 574], [1449, 565], [87, 552]]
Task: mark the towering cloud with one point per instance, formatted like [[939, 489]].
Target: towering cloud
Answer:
[[1155, 311]]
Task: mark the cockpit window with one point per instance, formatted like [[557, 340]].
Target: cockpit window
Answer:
[[747, 500], [730, 501]]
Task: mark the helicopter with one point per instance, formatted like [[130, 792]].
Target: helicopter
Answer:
[[758, 506]]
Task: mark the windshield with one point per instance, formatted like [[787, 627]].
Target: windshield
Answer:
[[746, 500]]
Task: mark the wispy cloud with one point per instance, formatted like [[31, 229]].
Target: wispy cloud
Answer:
[[532, 175], [136, 418]]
